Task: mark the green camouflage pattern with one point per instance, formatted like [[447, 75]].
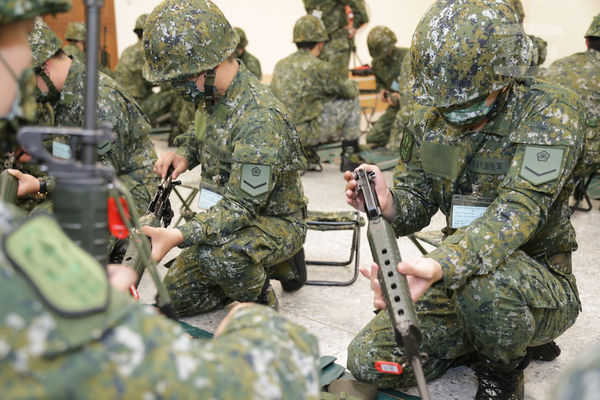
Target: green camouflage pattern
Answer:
[[581, 72], [76, 32], [338, 48], [230, 246], [26, 113], [252, 64], [594, 29], [182, 39], [507, 281], [305, 84], [406, 105], [465, 49], [128, 72], [17, 10], [386, 70], [540, 50], [243, 38], [74, 52], [309, 29], [132, 153], [44, 42], [381, 41], [140, 22], [518, 7], [130, 351], [580, 380]]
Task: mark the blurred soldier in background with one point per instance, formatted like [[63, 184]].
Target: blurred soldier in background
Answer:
[[75, 37], [248, 59]]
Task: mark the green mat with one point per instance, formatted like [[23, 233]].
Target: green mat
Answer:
[[196, 333], [330, 153], [593, 189], [385, 159]]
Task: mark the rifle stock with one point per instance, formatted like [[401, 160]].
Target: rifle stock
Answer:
[[394, 285]]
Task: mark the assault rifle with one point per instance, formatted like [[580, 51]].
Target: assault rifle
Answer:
[[8, 183], [400, 307], [104, 56], [159, 213]]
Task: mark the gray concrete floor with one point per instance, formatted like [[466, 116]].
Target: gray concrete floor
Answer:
[[336, 314]]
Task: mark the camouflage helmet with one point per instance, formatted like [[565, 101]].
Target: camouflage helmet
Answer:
[[44, 42], [75, 31], [309, 29], [140, 22], [594, 29], [380, 41], [243, 39], [17, 10], [464, 49], [518, 7], [182, 39]]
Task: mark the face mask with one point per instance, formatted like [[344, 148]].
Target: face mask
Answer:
[[189, 91], [469, 115], [52, 95]]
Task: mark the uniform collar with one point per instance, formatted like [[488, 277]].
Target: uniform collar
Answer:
[[228, 104], [73, 86]]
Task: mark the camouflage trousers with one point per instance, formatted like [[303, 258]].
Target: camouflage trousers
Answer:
[[205, 278], [522, 303], [340, 119], [379, 134], [337, 51]]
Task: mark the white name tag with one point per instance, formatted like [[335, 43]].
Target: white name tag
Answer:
[[208, 199], [464, 215], [61, 150]]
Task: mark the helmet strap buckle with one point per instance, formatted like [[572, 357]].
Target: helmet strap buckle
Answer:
[[209, 88]]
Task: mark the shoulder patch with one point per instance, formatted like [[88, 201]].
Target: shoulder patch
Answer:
[[406, 146], [256, 179], [67, 278], [542, 164]]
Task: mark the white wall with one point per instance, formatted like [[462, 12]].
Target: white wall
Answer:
[[268, 23]]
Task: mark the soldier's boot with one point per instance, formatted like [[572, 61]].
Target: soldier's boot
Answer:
[[350, 155], [313, 161], [544, 352], [291, 272], [496, 384], [268, 297]]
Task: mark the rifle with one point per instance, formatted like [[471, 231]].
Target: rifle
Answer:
[[104, 56], [159, 213], [400, 307], [8, 183]]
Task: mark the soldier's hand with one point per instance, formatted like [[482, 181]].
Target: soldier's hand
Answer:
[[162, 240], [121, 277], [386, 200], [167, 159], [378, 300], [420, 273], [28, 184]]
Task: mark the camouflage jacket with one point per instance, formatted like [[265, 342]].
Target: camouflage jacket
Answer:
[[523, 160], [249, 149], [74, 52], [100, 343], [128, 72], [334, 13], [131, 152], [252, 64], [305, 83], [581, 72], [387, 69]]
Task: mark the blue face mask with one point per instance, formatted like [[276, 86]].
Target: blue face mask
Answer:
[[189, 91], [468, 115]]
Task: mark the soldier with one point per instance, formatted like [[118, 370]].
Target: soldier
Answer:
[[497, 155], [340, 42], [128, 71], [248, 59], [75, 37], [60, 80], [250, 155], [581, 72], [387, 61], [325, 108], [66, 333]]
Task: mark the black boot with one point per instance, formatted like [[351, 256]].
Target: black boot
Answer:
[[313, 161], [350, 157], [291, 272], [495, 384], [268, 297], [544, 352]]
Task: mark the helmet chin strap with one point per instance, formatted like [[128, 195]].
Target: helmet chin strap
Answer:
[[210, 89]]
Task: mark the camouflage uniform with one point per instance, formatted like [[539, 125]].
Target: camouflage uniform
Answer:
[[131, 153], [507, 282], [250, 154], [406, 105], [75, 33], [248, 59], [387, 62], [324, 107], [338, 48], [128, 71], [581, 72], [81, 337]]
